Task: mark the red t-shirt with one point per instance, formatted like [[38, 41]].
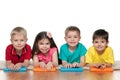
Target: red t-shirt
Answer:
[[12, 55]]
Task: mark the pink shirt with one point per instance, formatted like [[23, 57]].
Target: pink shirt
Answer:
[[46, 58]]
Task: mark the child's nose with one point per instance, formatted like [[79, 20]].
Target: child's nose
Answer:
[[19, 42], [44, 46], [99, 43], [72, 39]]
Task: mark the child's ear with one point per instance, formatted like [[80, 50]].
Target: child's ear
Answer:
[[65, 38], [80, 38], [11, 40], [26, 39]]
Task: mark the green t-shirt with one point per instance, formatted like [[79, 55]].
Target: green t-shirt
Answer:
[[74, 56]]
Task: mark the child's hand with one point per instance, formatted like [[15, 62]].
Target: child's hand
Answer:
[[17, 66], [68, 65], [49, 65], [75, 64], [102, 66], [97, 65], [11, 66], [43, 65]]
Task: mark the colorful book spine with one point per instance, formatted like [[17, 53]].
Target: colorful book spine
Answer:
[[63, 69], [108, 69], [22, 69], [43, 69]]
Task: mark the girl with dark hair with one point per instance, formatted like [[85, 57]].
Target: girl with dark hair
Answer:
[[45, 51]]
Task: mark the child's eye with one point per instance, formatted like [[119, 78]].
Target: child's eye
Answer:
[[68, 37], [103, 42], [15, 40], [22, 40], [47, 43], [75, 37], [41, 43], [96, 42]]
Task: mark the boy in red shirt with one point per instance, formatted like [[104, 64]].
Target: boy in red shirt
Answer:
[[18, 53]]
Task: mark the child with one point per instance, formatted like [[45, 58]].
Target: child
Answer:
[[100, 55], [44, 51], [72, 53], [18, 53]]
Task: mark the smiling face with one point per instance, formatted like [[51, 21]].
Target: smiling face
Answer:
[[44, 45], [72, 38], [18, 41], [100, 44]]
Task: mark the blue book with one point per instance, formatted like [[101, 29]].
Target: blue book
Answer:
[[22, 69], [63, 69]]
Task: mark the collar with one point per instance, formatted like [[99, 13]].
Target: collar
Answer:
[[14, 51]]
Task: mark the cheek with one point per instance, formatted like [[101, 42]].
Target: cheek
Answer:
[[48, 46], [77, 39], [67, 40], [39, 46], [23, 43], [14, 43], [95, 45], [104, 45]]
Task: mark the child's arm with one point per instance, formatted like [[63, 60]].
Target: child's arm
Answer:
[[99, 65], [104, 65], [81, 64], [37, 63], [26, 63], [55, 58], [9, 65], [82, 61], [93, 64], [54, 62], [108, 64], [66, 64], [19, 65], [36, 60]]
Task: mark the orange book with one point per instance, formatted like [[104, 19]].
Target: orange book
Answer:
[[107, 69], [43, 69]]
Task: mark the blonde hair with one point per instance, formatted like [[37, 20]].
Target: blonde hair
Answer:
[[72, 28], [19, 30]]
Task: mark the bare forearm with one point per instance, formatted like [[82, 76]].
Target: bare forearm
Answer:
[[36, 63], [107, 64], [64, 63], [91, 64], [55, 63], [81, 64], [25, 63], [8, 63], [99, 64]]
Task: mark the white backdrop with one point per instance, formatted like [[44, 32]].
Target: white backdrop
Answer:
[[56, 15]]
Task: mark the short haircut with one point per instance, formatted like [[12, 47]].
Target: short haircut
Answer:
[[72, 28], [19, 30], [101, 33]]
